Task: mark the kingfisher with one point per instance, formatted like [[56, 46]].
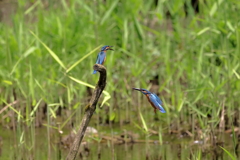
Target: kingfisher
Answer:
[[154, 100], [101, 58]]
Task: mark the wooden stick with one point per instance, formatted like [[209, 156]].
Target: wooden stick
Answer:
[[89, 111]]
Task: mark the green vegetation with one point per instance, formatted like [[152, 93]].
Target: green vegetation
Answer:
[[190, 59]]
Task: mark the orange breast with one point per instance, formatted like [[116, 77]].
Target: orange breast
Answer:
[[151, 102], [104, 60]]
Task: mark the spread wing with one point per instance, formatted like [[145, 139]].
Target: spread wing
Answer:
[[157, 102]]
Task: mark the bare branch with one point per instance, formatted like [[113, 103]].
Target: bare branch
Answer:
[[89, 111]]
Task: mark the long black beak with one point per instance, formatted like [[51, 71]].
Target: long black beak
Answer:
[[138, 89], [110, 48]]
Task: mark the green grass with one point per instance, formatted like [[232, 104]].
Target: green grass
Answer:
[[49, 48]]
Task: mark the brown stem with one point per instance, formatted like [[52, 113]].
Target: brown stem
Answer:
[[89, 111]]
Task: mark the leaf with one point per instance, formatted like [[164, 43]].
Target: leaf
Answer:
[[135, 57], [25, 54], [57, 82], [200, 95], [88, 9], [32, 8], [98, 139], [10, 106], [112, 116], [230, 26], [109, 11], [39, 85], [47, 125], [81, 82], [139, 28], [140, 127], [80, 60], [179, 108], [21, 140], [107, 96], [50, 51], [35, 108], [160, 136], [236, 74], [199, 112], [53, 113], [203, 31], [7, 82], [68, 119], [226, 151], [215, 7], [144, 123]]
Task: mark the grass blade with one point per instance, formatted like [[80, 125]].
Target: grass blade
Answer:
[[199, 112], [107, 96], [109, 11], [139, 28], [144, 123], [230, 155], [10, 106], [81, 82], [27, 53], [35, 108], [215, 7], [68, 119], [50, 51], [80, 60]]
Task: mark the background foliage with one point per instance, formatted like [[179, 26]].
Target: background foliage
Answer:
[[187, 54]]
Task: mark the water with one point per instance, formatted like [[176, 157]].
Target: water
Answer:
[[26, 146]]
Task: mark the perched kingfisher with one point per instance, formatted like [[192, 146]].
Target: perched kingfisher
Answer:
[[154, 100], [101, 58]]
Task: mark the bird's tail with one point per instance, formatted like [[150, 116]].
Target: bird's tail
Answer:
[[94, 72], [161, 109]]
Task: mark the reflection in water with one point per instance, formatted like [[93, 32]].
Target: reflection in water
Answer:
[[151, 152], [173, 148]]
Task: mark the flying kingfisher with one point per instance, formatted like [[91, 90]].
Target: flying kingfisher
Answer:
[[154, 100], [101, 58]]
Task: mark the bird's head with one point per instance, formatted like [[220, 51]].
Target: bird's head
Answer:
[[144, 91], [105, 48]]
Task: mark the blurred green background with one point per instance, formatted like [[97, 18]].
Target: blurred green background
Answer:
[[186, 51]]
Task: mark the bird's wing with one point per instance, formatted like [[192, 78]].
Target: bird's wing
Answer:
[[100, 58], [157, 102], [158, 99], [97, 61]]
